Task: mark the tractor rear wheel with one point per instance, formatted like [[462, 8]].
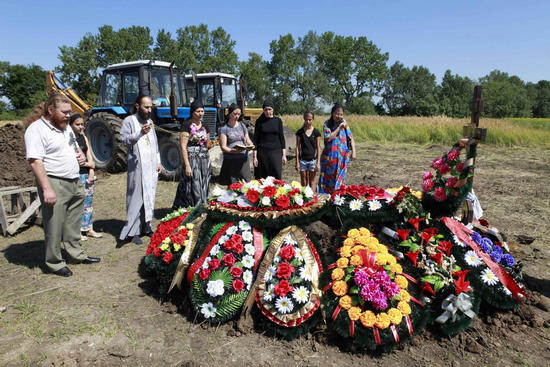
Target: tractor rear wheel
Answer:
[[170, 157], [103, 133]]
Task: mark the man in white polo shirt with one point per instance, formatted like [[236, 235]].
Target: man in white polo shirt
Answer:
[[54, 158]]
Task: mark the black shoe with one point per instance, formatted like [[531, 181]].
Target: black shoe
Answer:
[[137, 240], [64, 272], [90, 260], [149, 234]]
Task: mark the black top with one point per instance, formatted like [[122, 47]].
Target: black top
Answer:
[[268, 133], [82, 144], [308, 144], [197, 137]]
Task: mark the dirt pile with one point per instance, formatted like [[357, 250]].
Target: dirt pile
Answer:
[[14, 170]]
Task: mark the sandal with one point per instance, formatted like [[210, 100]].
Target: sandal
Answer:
[[83, 238], [94, 234]]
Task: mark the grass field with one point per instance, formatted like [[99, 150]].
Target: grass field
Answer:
[[512, 132]]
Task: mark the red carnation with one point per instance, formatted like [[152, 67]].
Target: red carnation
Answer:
[[460, 166], [282, 201], [451, 182], [437, 163], [284, 271], [238, 285], [452, 155], [204, 274], [427, 185], [287, 252], [214, 264], [270, 191], [253, 196], [236, 272], [157, 252], [427, 175], [238, 248], [444, 168], [228, 260], [439, 194], [167, 257], [235, 186], [283, 288], [149, 250]]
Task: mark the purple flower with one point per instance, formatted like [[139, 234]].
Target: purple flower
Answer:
[[487, 241], [361, 278], [391, 289], [508, 260], [379, 301], [496, 256], [497, 249], [485, 247], [476, 237]]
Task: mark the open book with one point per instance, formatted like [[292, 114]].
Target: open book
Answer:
[[243, 147]]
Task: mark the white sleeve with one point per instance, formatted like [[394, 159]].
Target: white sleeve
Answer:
[[34, 144]]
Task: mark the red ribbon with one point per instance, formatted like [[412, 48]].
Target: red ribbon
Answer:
[[463, 234], [331, 266], [197, 264], [394, 332], [409, 324], [376, 335], [416, 301], [411, 279], [258, 238], [327, 287], [351, 328], [336, 313]]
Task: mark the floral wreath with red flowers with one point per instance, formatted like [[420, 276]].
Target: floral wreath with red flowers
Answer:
[[448, 171]]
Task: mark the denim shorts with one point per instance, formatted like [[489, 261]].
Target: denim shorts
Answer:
[[308, 165]]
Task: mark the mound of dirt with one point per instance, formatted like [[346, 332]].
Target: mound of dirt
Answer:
[[14, 170]]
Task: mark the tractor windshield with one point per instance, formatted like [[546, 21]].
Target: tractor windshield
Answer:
[[160, 87], [229, 90]]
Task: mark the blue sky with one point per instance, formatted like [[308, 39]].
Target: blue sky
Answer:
[[471, 38]]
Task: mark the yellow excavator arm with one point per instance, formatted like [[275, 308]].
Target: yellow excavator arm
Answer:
[[55, 85]]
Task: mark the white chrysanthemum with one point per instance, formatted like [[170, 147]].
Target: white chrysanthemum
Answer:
[[223, 239], [299, 254], [254, 184], [243, 202], [247, 278], [284, 305], [206, 262], [248, 261], [215, 249], [457, 241], [268, 181], [305, 273], [244, 225], [214, 288], [299, 200], [338, 200], [276, 259], [289, 240], [270, 273], [287, 187], [249, 249], [247, 236], [266, 201], [308, 192], [300, 294], [227, 197], [208, 310], [355, 204], [218, 191], [489, 277], [269, 293], [505, 290], [472, 259], [374, 205], [296, 185], [231, 230]]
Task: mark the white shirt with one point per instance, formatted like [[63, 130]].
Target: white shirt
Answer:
[[55, 147]]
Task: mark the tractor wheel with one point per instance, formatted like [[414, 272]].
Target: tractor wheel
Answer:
[[170, 157], [103, 133]]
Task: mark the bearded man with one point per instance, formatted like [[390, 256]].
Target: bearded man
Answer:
[[138, 134], [54, 157]]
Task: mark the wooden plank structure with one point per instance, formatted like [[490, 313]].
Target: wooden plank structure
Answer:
[[19, 213]]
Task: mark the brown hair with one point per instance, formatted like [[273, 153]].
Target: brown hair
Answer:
[[34, 115], [138, 101], [54, 101]]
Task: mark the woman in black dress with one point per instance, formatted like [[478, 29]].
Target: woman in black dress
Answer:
[[269, 138], [194, 144]]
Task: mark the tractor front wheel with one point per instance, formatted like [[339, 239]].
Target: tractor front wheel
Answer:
[[103, 133], [170, 157]]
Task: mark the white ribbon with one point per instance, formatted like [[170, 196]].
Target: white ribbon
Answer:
[[452, 304]]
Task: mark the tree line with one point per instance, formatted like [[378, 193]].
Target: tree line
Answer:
[[301, 73]]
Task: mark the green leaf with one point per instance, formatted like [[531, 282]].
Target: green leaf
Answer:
[[438, 285], [295, 280], [406, 243], [414, 247], [431, 278], [354, 290]]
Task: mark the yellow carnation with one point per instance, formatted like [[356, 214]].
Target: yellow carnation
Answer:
[[345, 302], [363, 240], [164, 246], [342, 262], [382, 321], [354, 313], [166, 240], [404, 295], [401, 281], [381, 259], [340, 288], [345, 251], [364, 231], [177, 247], [404, 307], [353, 233], [368, 318], [280, 191], [349, 242], [337, 274], [190, 225], [295, 184], [357, 249], [395, 316], [396, 268], [393, 261], [372, 241], [356, 260]]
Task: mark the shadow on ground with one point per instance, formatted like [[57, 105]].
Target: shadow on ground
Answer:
[[29, 254]]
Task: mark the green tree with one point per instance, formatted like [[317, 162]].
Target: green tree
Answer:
[[455, 95], [505, 96], [283, 69], [541, 102], [256, 78], [410, 91], [24, 86], [354, 67]]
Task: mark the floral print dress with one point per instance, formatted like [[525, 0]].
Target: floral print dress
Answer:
[[334, 159]]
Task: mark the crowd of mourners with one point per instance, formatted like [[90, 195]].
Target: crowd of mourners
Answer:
[[60, 157]]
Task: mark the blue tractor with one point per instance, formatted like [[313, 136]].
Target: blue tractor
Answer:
[[120, 86]]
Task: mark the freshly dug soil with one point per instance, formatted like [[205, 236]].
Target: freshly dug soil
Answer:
[[14, 169]]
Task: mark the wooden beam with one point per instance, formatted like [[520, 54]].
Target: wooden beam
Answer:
[[24, 216]]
